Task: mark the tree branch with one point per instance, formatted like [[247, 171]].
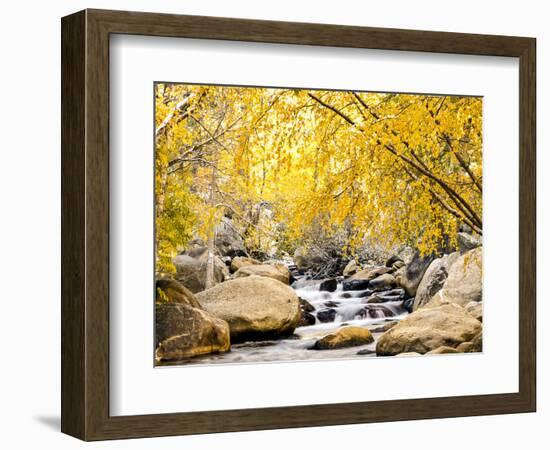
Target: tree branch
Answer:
[[445, 205], [180, 109], [455, 196], [214, 138], [457, 199], [463, 164], [332, 108], [373, 114]]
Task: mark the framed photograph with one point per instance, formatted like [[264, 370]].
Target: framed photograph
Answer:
[[272, 225]]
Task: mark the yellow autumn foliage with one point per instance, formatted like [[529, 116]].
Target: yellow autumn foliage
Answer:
[[393, 169]]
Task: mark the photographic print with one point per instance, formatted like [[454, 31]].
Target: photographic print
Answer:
[[296, 224]]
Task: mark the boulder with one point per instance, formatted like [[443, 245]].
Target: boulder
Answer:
[[475, 309], [392, 260], [397, 265], [408, 304], [399, 272], [464, 283], [351, 269], [305, 305], [468, 241], [383, 328], [226, 260], [362, 294], [306, 319], [477, 342], [242, 261], [197, 251], [427, 329], [433, 280], [344, 337], [182, 331], [442, 350], [355, 285], [331, 304], [306, 316], [397, 292], [276, 271], [168, 290], [228, 241], [191, 272], [376, 311], [383, 282], [473, 346], [329, 285], [409, 278], [195, 243], [326, 315], [366, 351], [256, 308], [382, 298], [371, 273]]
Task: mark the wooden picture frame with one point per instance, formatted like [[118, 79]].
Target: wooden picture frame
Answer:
[[85, 224]]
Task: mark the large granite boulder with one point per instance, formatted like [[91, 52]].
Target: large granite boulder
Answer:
[[348, 336], [464, 283], [434, 278], [409, 277], [256, 308], [182, 331], [191, 272], [168, 290], [276, 271], [428, 329], [242, 261]]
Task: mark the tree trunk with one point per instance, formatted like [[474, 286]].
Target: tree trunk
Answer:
[[211, 235]]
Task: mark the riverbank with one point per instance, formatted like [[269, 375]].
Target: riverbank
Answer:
[[269, 311]]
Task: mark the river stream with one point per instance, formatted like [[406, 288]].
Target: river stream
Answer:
[[332, 310]]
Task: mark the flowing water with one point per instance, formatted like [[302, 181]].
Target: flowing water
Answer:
[[332, 310]]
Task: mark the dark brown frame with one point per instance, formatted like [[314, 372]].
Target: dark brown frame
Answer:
[[85, 224]]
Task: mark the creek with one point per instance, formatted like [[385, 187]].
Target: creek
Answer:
[[331, 310]]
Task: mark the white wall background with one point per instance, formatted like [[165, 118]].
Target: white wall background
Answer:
[[30, 225]]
